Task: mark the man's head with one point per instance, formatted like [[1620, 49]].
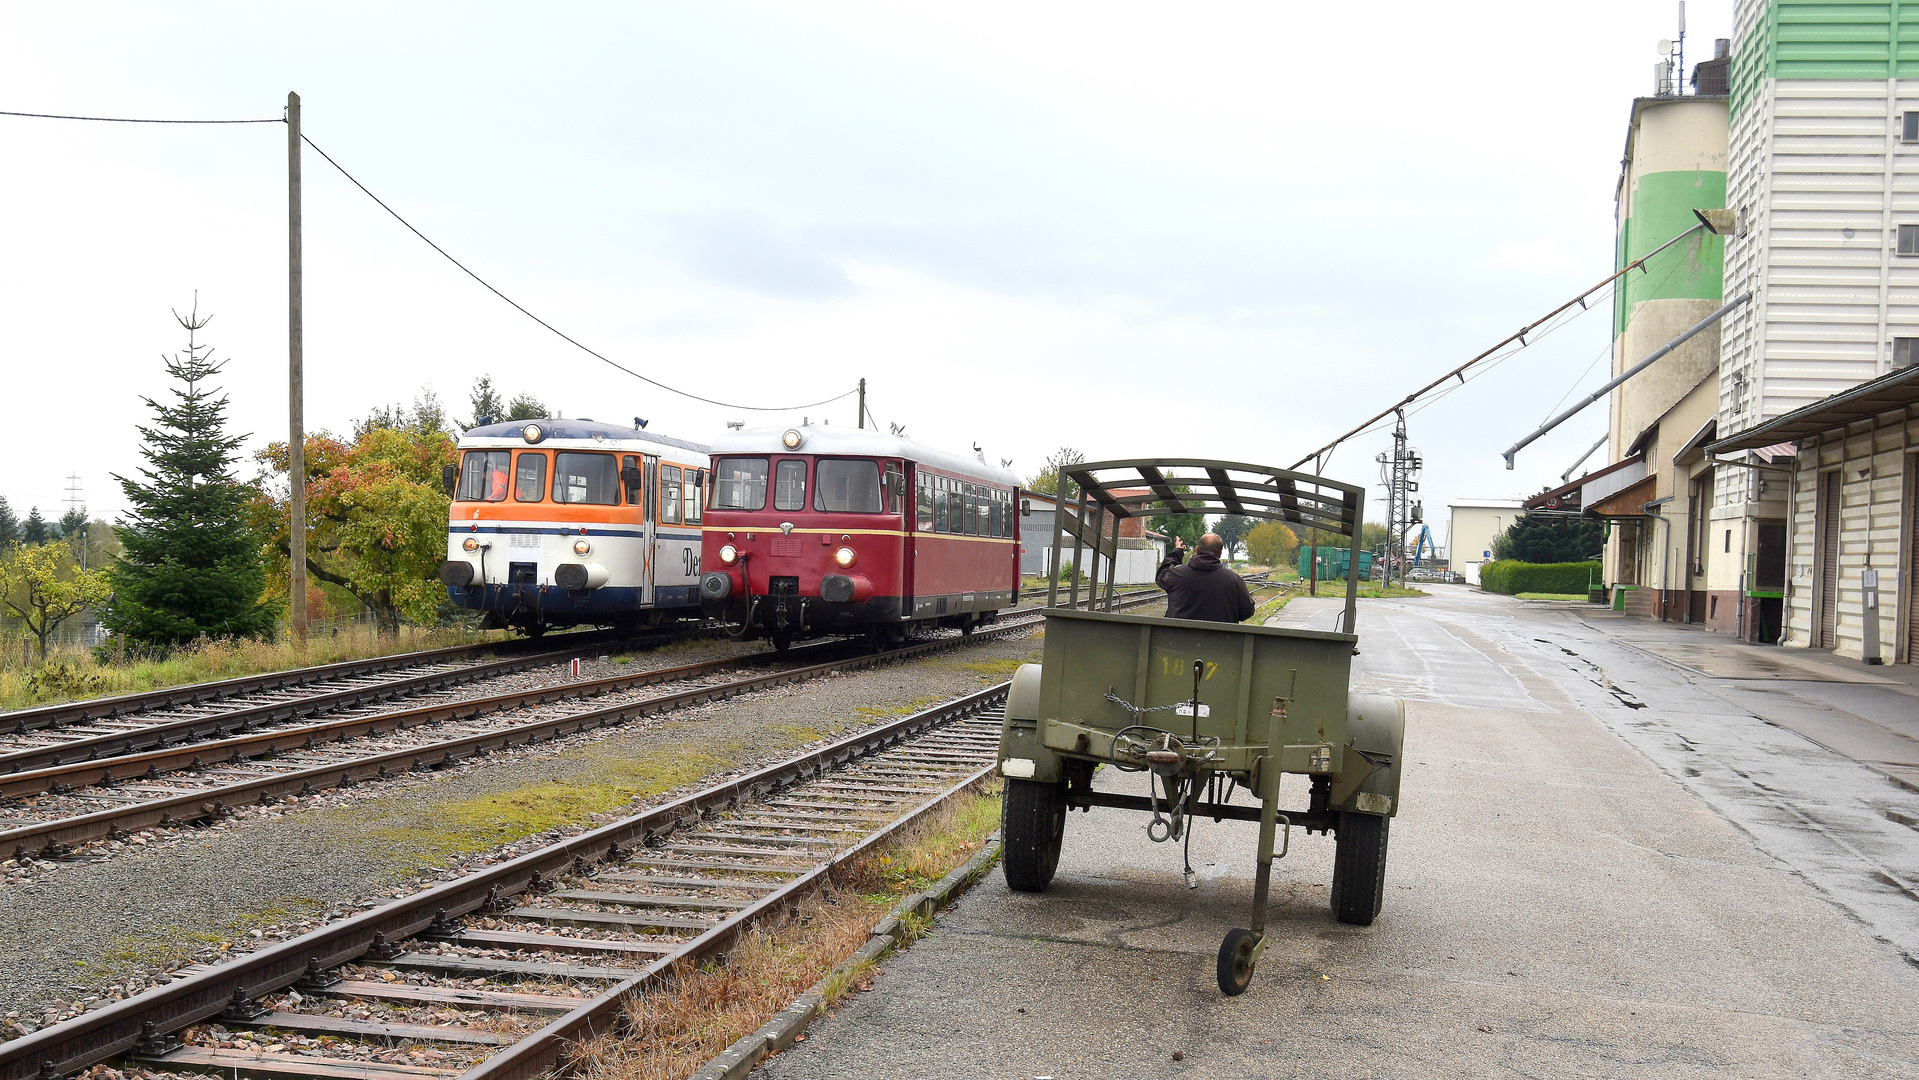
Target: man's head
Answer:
[[1211, 544]]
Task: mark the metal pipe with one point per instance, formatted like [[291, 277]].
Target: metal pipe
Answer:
[[1519, 336], [1669, 346], [1568, 474]]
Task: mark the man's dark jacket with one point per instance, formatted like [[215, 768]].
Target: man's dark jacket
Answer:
[[1203, 589]]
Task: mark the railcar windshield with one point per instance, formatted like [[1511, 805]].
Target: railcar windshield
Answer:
[[586, 478], [483, 475], [529, 478], [739, 483], [847, 486], [789, 485]]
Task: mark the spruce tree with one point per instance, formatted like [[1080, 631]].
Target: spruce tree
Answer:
[[35, 529], [191, 565], [9, 524]]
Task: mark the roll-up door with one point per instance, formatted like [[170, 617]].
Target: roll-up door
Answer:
[[1827, 613]]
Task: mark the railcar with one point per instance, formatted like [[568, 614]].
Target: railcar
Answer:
[[570, 522], [815, 531]]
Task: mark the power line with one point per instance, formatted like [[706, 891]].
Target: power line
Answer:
[[556, 330], [136, 120]]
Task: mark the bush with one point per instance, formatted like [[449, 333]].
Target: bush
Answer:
[[1510, 576]]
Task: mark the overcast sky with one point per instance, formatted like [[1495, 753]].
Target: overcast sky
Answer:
[[1213, 230]]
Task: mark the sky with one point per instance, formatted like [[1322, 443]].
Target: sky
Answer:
[[1223, 230]]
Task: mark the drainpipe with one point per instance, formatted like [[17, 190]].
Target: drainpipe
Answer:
[[1654, 509]]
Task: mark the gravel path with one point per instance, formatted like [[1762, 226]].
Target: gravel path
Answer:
[[89, 932]]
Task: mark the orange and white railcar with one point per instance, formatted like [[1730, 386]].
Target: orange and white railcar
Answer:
[[568, 522]]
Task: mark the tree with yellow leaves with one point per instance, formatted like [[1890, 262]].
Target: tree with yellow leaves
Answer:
[[1271, 544], [43, 586]]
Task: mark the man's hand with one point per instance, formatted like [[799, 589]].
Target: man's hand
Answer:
[[1179, 545]]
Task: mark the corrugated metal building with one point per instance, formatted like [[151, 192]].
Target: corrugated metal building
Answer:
[[1824, 179], [1851, 561]]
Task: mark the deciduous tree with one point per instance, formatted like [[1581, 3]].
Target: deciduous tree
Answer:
[[1271, 543], [42, 586], [377, 515], [1046, 481], [1233, 528], [191, 564]]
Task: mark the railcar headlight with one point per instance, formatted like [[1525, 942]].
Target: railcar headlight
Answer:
[[843, 557], [792, 439], [729, 554], [470, 544], [532, 433], [581, 547]]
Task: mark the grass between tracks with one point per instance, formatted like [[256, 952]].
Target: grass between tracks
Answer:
[[707, 1008], [73, 675]]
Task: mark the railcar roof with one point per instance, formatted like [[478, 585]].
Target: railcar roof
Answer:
[[858, 442], [588, 430], [1144, 486]]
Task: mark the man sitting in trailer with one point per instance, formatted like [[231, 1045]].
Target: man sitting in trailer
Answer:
[[1204, 588]]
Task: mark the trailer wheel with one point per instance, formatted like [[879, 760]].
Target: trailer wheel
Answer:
[[1359, 868], [1236, 962], [1032, 825]]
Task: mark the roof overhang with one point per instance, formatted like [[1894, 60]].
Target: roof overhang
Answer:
[[1627, 501], [1696, 446], [1863, 402], [1573, 495]]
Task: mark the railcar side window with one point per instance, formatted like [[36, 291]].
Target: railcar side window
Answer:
[[939, 504], [483, 475], [529, 478], [586, 478], [994, 524], [670, 494], [695, 492], [955, 509], [972, 512], [895, 488], [923, 502], [789, 485], [847, 486], [739, 483]]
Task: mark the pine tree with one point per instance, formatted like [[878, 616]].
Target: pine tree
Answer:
[[73, 523], [35, 529], [9, 524], [191, 565]]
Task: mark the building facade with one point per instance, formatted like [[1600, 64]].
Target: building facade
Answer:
[[1824, 183], [1470, 531]]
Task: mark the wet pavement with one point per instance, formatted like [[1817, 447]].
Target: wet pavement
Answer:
[[1605, 865]]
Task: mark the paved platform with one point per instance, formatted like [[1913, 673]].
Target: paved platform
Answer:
[[1598, 871]]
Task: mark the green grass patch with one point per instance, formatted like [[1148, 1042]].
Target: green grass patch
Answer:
[[1579, 598], [881, 712]]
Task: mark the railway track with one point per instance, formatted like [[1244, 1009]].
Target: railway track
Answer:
[[494, 975], [48, 811]]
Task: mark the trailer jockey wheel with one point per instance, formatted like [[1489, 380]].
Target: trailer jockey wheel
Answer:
[[1236, 962]]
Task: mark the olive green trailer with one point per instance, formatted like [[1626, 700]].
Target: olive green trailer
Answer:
[[1201, 710]]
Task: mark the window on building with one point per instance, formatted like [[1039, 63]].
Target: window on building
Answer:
[[1909, 239], [1905, 351], [789, 485], [1729, 541], [1911, 125]]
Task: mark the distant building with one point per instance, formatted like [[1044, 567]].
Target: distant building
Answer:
[[1470, 533], [1139, 552]]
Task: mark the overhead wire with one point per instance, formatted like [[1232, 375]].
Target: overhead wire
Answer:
[[562, 335], [136, 119]]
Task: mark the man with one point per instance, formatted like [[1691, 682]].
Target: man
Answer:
[[1203, 589]]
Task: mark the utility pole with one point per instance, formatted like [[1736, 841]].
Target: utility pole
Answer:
[[862, 402], [296, 404], [1398, 472]]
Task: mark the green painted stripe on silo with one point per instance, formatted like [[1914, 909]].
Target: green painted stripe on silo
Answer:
[[1826, 39], [1662, 208]]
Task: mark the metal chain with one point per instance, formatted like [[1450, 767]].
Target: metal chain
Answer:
[[1138, 710]]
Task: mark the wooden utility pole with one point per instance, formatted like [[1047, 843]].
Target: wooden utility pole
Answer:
[[862, 402], [296, 405]]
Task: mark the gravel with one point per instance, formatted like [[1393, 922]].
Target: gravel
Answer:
[[80, 932]]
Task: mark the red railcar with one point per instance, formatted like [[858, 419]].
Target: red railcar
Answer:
[[814, 531]]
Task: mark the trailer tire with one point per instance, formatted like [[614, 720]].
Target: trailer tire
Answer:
[[1032, 826], [1359, 868]]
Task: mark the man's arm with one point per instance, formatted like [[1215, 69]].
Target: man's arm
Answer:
[[1246, 605], [1173, 557]]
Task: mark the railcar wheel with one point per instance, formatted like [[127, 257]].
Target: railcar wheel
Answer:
[[1359, 868], [781, 644], [1236, 962], [1032, 826], [536, 630]]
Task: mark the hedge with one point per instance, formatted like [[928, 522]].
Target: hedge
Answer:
[[1511, 577]]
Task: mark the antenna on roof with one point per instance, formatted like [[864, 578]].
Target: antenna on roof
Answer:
[[640, 422], [899, 430], [1005, 463], [735, 425]]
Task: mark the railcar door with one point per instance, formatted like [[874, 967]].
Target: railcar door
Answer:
[[650, 486]]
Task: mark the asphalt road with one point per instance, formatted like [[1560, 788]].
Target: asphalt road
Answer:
[[1603, 867]]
